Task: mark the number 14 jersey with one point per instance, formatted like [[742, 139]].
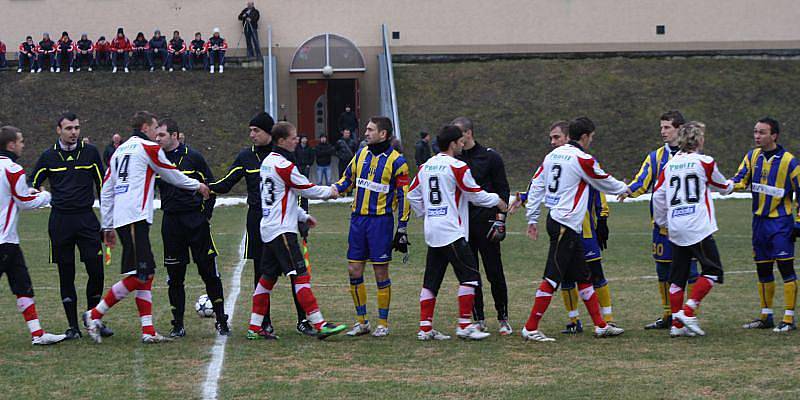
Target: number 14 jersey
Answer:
[[682, 199]]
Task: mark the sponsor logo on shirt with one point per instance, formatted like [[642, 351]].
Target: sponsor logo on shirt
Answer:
[[372, 186], [683, 211], [550, 200], [265, 212], [768, 190], [120, 189], [437, 212]]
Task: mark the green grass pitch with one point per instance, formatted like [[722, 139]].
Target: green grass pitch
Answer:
[[728, 363]]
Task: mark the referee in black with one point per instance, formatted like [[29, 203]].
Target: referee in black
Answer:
[[75, 171], [247, 165], [487, 225], [185, 227]]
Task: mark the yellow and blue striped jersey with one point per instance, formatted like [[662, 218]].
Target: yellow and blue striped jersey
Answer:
[[772, 182], [648, 173], [597, 208], [379, 184]]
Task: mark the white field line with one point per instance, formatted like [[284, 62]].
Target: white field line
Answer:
[[138, 377], [211, 384]]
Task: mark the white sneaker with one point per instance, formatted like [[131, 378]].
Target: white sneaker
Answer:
[[609, 331], [536, 336], [114, 70], [152, 339], [38, 71], [480, 325], [127, 70], [472, 332], [46, 339], [359, 329], [92, 327], [152, 69], [211, 70], [505, 329], [679, 332], [221, 68], [71, 69], [52, 70], [432, 334], [690, 322], [381, 331], [77, 70], [171, 69], [90, 69], [183, 69], [19, 70], [58, 70]]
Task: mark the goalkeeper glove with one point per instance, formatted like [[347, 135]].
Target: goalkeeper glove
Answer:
[[498, 230], [303, 229], [400, 242], [602, 232]]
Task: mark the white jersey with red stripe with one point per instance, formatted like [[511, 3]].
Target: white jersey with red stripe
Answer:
[[682, 197], [562, 182], [15, 196], [281, 181], [127, 193], [440, 193]]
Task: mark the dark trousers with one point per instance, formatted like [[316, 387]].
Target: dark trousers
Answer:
[[81, 59], [139, 58], [195, 58], [120, 59], [492, 265], [216, 56], [172, 58], [50, 57], [3, 62], [251, 37], [102, 58], [706, 254], [460, 256], [63, 56], [152, 55], [31, 60]]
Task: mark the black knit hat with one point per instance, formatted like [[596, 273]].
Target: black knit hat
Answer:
[[120, 30], [449, 133], [262, 120]]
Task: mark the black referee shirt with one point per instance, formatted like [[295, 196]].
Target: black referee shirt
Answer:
[[74, 176]]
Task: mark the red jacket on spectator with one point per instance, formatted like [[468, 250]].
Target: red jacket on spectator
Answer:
[[177, 46], [66, 46], [102, 47], [27, 48], [121, 43], [2, 48], [218, 42], [46, 47]]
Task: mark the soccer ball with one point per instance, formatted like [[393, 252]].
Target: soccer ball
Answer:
[[204, 307]]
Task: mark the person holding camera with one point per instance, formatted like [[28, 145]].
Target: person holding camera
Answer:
[[249, 17]]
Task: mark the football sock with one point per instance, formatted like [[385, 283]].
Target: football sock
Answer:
[[69, 297], [144, 303], [302, 286], [701, 289], [466, 299], [114, 295], [675, 302], [427, 304], [589, 297], [666, 298], [260, 302], [213, 284], [359, 293], [543, 297], [301, 314], [604, 298], [790, 298], [570, 297], [766, 288], [176, 291], [26, 306], [94, 285], [384, 299]]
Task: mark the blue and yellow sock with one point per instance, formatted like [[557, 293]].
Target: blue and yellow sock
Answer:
[[384, 299], [359, 294], [570, 297], [604, 297], [790, 300]]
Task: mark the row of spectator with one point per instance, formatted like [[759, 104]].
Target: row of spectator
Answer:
[[120, 52]]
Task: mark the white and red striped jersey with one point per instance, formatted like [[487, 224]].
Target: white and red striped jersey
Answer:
[[127, 193], [281, 181], [440, 193], [563, 181], [15, 195], [682, 197]]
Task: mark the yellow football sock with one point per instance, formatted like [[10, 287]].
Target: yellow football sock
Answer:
[[766, 293], [790, 300], [359, 294], [604, 297], [570, 298], [384, 298], [663, 289]]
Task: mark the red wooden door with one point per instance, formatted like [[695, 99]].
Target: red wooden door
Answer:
[[312, 107]]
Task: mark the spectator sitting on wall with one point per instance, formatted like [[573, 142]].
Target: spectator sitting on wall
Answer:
[[116, 140], [84, 53], [120, 51], [27, 53], [422, 149], [216, 47], [65, 51], [176, 50], [322, 154], [46, 50], [348, 120], [140, 47], [344, 151], [249, 17], [197, 52], [3, 62], [158, 49], [304, 156], [102, 52]]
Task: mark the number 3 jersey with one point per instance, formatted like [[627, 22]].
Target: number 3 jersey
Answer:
[[127, 193], [440, 193], [281, 181], [682, 200], [563, 181]]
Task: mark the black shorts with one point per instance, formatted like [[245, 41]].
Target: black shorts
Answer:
[[565, 258], [253, 246], [706, 254], [460, 255], [13, 263], [182, 232], [67, 230], [282, 255], [137, 255]]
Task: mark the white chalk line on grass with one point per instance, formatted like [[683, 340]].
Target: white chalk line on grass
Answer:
[[211, 384], [138, 369]]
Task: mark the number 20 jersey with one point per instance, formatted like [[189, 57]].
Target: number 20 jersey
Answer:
[[682, 199], [562, 182], [280, 183]]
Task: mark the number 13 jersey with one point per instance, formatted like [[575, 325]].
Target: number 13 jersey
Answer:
[[682, 199]]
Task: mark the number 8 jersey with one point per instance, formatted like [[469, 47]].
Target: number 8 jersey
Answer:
[[280, 182], [682, 200]]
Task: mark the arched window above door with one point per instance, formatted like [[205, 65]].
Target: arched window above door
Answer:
[[328, 49]]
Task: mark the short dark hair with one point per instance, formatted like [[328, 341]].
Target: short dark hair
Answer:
[[171, 124], [774, 125], [383, 124], [8, 134], [141, 118], [562, 125], [675, 117], [67, 115], [580, 126], [423, 135], [281, 130], [448, 134]]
